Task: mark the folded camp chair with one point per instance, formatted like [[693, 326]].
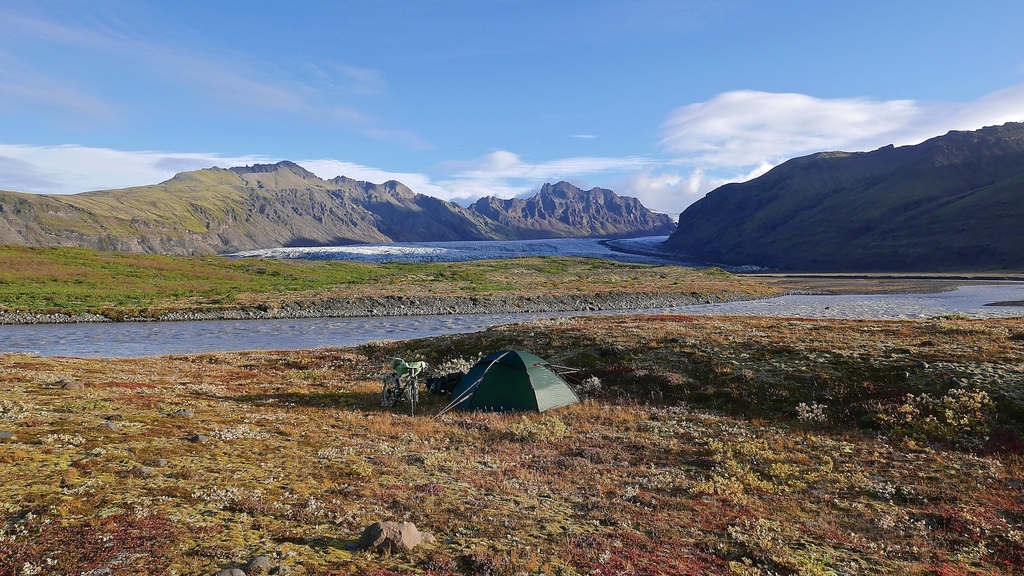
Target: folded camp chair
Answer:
[[402, 384]]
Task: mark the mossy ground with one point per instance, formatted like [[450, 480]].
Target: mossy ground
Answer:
[[77, 280], [714, 446]]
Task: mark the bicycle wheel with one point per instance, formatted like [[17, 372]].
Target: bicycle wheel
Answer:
[[391, 391], [412, 394]]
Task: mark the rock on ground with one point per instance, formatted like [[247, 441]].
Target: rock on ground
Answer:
[[392, 537], [259, 565]]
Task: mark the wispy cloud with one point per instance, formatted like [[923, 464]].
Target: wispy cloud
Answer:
[[583, 136], [505, 164], [505, 174], [328, 168], [666, 188], [23, 87], [230, 79], [660, 190], [746, 128], [18, 175], [743, 128], [344, 78], [69, 169], [999, 107], [362, 81]]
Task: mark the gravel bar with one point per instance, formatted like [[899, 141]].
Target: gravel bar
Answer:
[[408, 306]]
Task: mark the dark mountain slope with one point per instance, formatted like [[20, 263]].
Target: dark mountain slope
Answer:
[[952, 202]]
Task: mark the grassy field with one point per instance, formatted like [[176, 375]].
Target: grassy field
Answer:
[[74, 280], [713, 446]]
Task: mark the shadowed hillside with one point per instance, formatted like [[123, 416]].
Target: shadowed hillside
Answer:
[[952, 202], [219, 210]]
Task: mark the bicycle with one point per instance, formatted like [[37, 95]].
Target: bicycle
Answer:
[[402, 385]]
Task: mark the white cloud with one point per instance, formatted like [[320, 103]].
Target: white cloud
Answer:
[[583, 136], [19, 175], [502, 174], [508, 165], [999, 107], [466, 190], [745, 128], [660, 190], [505, 175], [328, 168], [669, 191], [69, 169]]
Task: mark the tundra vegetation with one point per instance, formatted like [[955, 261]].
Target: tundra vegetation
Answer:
[[119, 285], [716, 445]]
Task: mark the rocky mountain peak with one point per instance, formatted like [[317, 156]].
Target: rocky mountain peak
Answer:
[[398, 189], [283, 166], [562, 189], [563, 209]]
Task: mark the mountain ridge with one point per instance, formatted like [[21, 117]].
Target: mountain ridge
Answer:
[[563, 208], [222, 210], [951, 202]]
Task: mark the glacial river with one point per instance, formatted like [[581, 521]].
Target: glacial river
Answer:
[[156, 338]]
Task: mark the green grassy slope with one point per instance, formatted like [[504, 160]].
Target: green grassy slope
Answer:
[[953, 202], [217, 210], [76, 280]]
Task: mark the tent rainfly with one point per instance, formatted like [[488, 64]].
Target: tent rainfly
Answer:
[[510, 381]]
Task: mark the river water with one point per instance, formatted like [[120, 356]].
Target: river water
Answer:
[[150, 339]]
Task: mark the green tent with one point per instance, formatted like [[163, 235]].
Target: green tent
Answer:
[[512, 380]]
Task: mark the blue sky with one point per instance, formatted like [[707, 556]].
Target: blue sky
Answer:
[[663, 100]]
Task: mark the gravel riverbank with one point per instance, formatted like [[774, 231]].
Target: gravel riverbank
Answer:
[[405, 306]]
